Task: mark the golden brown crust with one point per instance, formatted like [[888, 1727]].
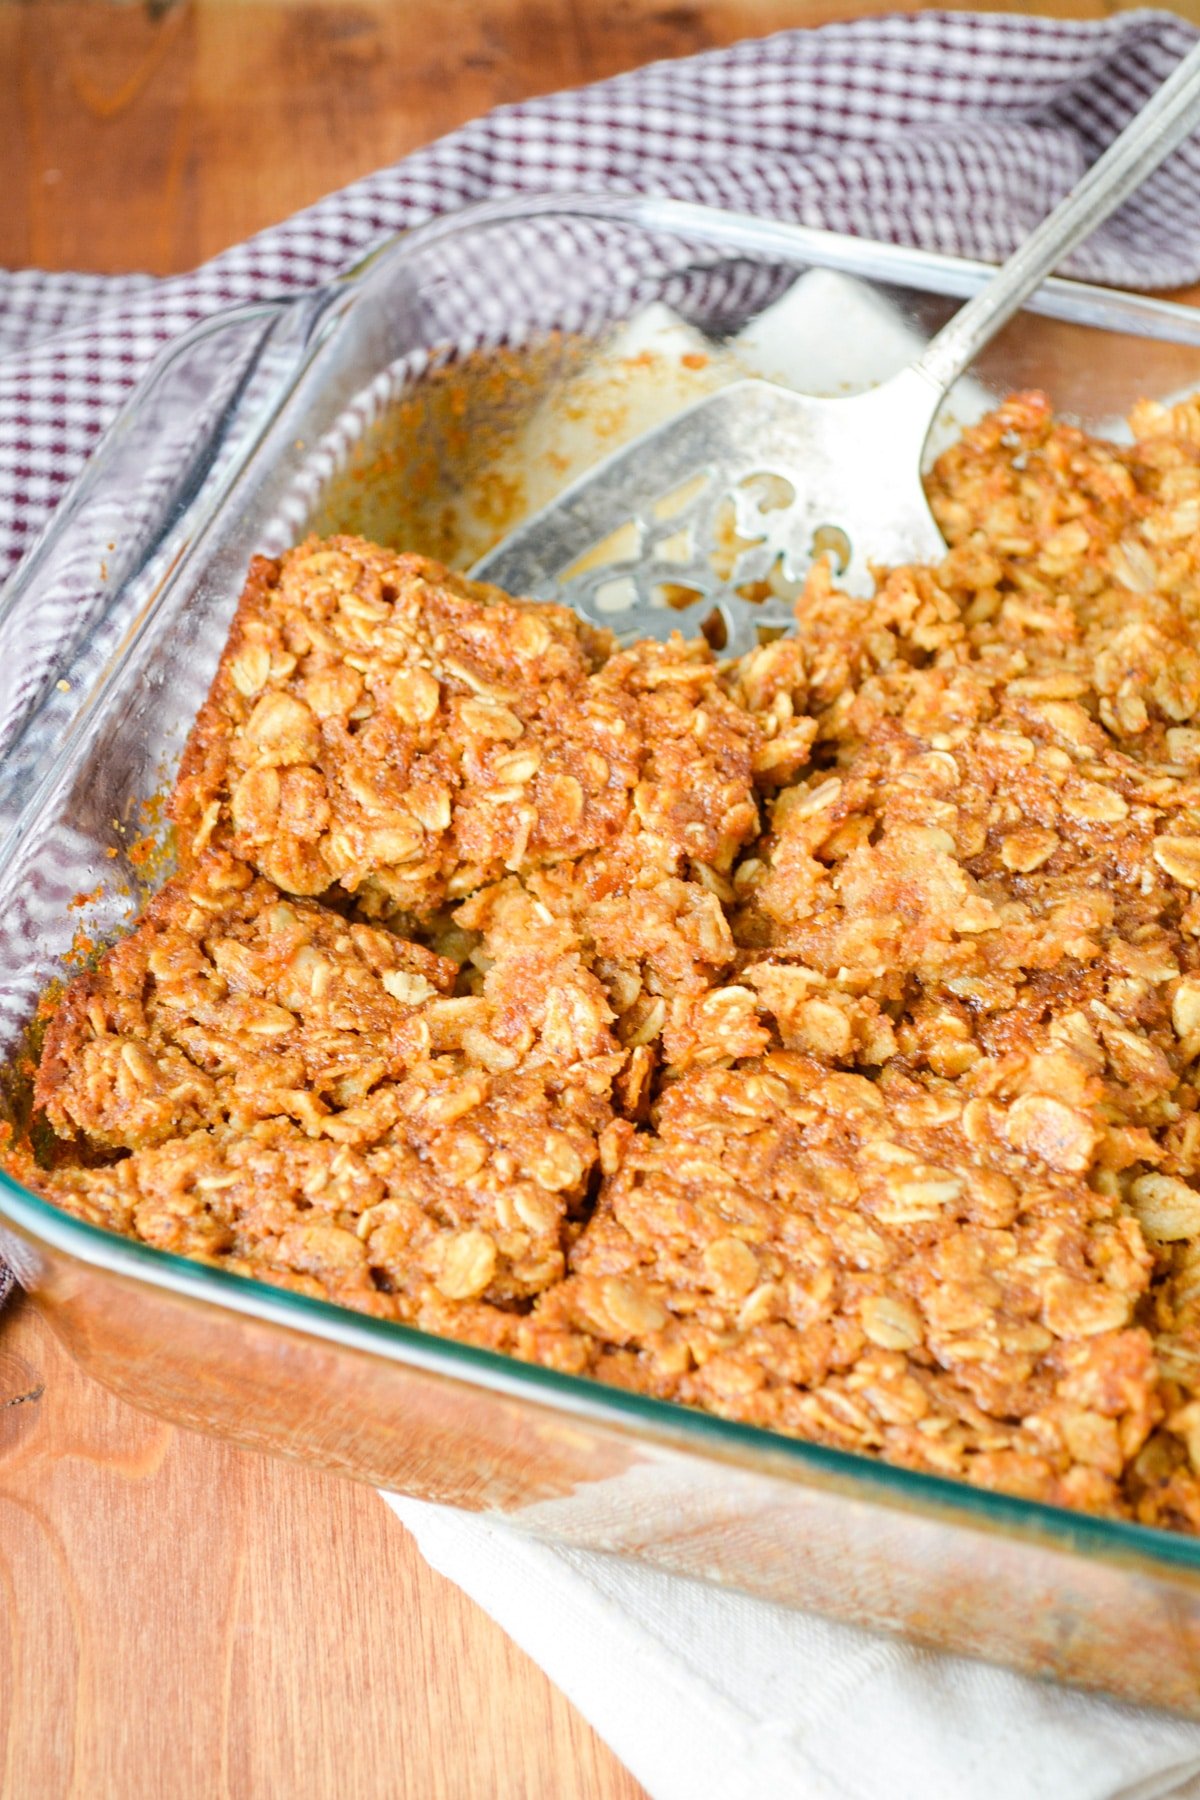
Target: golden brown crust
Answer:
[[462, 1194], [383, 725], [380, 723], [645, 911], [273, 1068]]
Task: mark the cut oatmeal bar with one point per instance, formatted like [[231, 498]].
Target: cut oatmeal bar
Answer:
[[231, 1001], [647, 910], [873, 1265], [382, 725], [265, 1059], [1020, 871]]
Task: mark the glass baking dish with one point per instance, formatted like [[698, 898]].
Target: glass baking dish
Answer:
[[432, 397]]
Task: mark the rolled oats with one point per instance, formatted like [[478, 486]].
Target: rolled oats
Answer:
[[1167, 1209], [228, 1003]]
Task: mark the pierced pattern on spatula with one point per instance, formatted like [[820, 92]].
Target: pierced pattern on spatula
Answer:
[[686, 553], [708, 523]]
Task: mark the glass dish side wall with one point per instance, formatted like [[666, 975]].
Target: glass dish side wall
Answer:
[[1108, 1606], [873, 1554]]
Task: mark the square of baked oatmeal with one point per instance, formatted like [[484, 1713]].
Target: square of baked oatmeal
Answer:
[[303, 1097], [384, 727]]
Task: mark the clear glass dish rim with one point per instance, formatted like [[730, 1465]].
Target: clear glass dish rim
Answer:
[[667, 1423], [674, 1426]]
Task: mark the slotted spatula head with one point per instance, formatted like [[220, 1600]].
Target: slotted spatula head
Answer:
[[705, 522]]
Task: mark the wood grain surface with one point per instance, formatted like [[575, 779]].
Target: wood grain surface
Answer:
[[151, 136], [180, 1620]]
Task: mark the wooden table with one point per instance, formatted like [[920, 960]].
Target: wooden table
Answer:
[[180, 1620]]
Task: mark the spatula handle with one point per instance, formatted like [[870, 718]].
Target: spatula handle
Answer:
[[1168, 117]]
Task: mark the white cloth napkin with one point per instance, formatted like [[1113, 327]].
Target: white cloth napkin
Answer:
[[704, 1693]]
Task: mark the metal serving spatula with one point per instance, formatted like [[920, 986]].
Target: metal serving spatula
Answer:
[[684, 528]]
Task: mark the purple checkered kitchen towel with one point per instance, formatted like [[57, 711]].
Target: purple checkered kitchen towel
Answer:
[[953, 131]]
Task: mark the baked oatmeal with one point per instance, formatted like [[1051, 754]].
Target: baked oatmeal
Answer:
[[811, 1038], [647, 908], [230, 1003], [304, 1100], [867, 1263], [380, 725]]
